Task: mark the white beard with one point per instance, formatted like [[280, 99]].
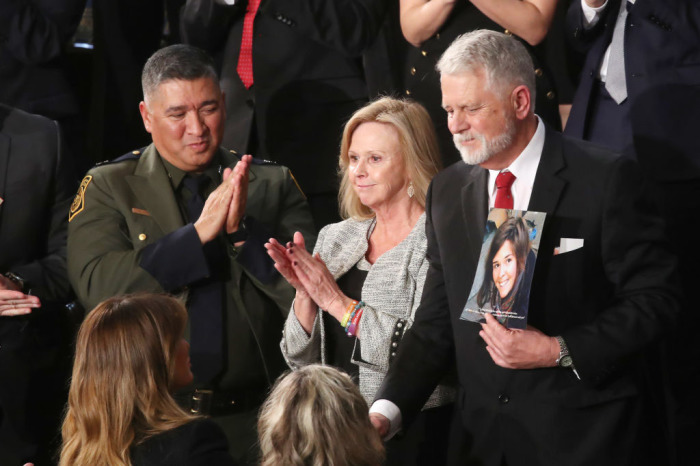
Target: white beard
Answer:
[[488, 147]]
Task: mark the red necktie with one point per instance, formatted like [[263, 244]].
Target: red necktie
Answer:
[[504, 197], [245, 57]]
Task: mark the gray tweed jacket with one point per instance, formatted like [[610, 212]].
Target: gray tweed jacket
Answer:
[[391, 293]]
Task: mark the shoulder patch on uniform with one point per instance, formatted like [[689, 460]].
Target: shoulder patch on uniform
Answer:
[[79, 202], [133, 155], [263, 162], [297, 183]]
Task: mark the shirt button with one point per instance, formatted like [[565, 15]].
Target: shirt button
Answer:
[[550, 95], [413, 71], [538, 72]]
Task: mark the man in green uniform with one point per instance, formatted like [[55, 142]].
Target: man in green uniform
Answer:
[[141, 223]]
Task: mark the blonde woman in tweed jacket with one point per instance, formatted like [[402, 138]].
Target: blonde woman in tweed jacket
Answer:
[[357, 294]]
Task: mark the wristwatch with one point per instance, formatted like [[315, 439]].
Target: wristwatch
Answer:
[[17, 280], [241, 234], [564, 360]]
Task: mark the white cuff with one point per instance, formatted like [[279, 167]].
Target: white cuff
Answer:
[[392, 412], [226, 2]]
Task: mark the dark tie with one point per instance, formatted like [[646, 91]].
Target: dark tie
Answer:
[[204, 303], [504, 197], [245, 55]]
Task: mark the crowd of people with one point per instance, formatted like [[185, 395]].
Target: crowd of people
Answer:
[[307, 218]]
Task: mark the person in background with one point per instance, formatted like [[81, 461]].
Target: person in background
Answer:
[[36, 185], [130, 357], [640, 94], [317, 416], [35, 67], [292, 73], [357, 295]]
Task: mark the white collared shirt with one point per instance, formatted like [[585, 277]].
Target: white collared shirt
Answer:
[[524, 168], [591, 17]]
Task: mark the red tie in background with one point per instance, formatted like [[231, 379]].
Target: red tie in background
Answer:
[[504, 196], [245, 57]]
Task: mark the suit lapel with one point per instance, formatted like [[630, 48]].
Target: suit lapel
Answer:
[[151, 185], [475, 209], [549, 184]]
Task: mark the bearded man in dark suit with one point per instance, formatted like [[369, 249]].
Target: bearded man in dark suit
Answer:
[[568, 388]]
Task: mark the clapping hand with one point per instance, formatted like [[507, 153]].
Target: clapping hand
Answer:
[[283, 263], [317, 280], [225, 207]]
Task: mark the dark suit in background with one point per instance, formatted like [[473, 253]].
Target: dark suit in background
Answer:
[[660, 124], [308, 80], [662, 62], [126, 33], [34, 73], [36, 191], [608, 299]]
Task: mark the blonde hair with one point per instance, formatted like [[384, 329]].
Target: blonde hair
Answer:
[[418, 143], [122, 377], [316, 416]]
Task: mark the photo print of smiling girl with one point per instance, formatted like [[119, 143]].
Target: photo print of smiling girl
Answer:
[[506, 265]]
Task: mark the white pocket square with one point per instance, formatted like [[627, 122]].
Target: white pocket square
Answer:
[[568, 245]]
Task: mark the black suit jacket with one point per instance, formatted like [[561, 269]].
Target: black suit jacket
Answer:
[[662, 61], [33, 36], [608, 300], [36, 190], [197, 443], [307, 67]]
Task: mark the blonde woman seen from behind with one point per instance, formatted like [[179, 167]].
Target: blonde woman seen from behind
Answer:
[[316, 416], [130, 357]]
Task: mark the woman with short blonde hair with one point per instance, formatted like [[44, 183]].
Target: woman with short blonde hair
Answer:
[[417, 144], [316, 416], [358, 294]]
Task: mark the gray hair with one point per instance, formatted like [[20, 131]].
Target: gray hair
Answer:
[[179, 61], [504, 59]]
